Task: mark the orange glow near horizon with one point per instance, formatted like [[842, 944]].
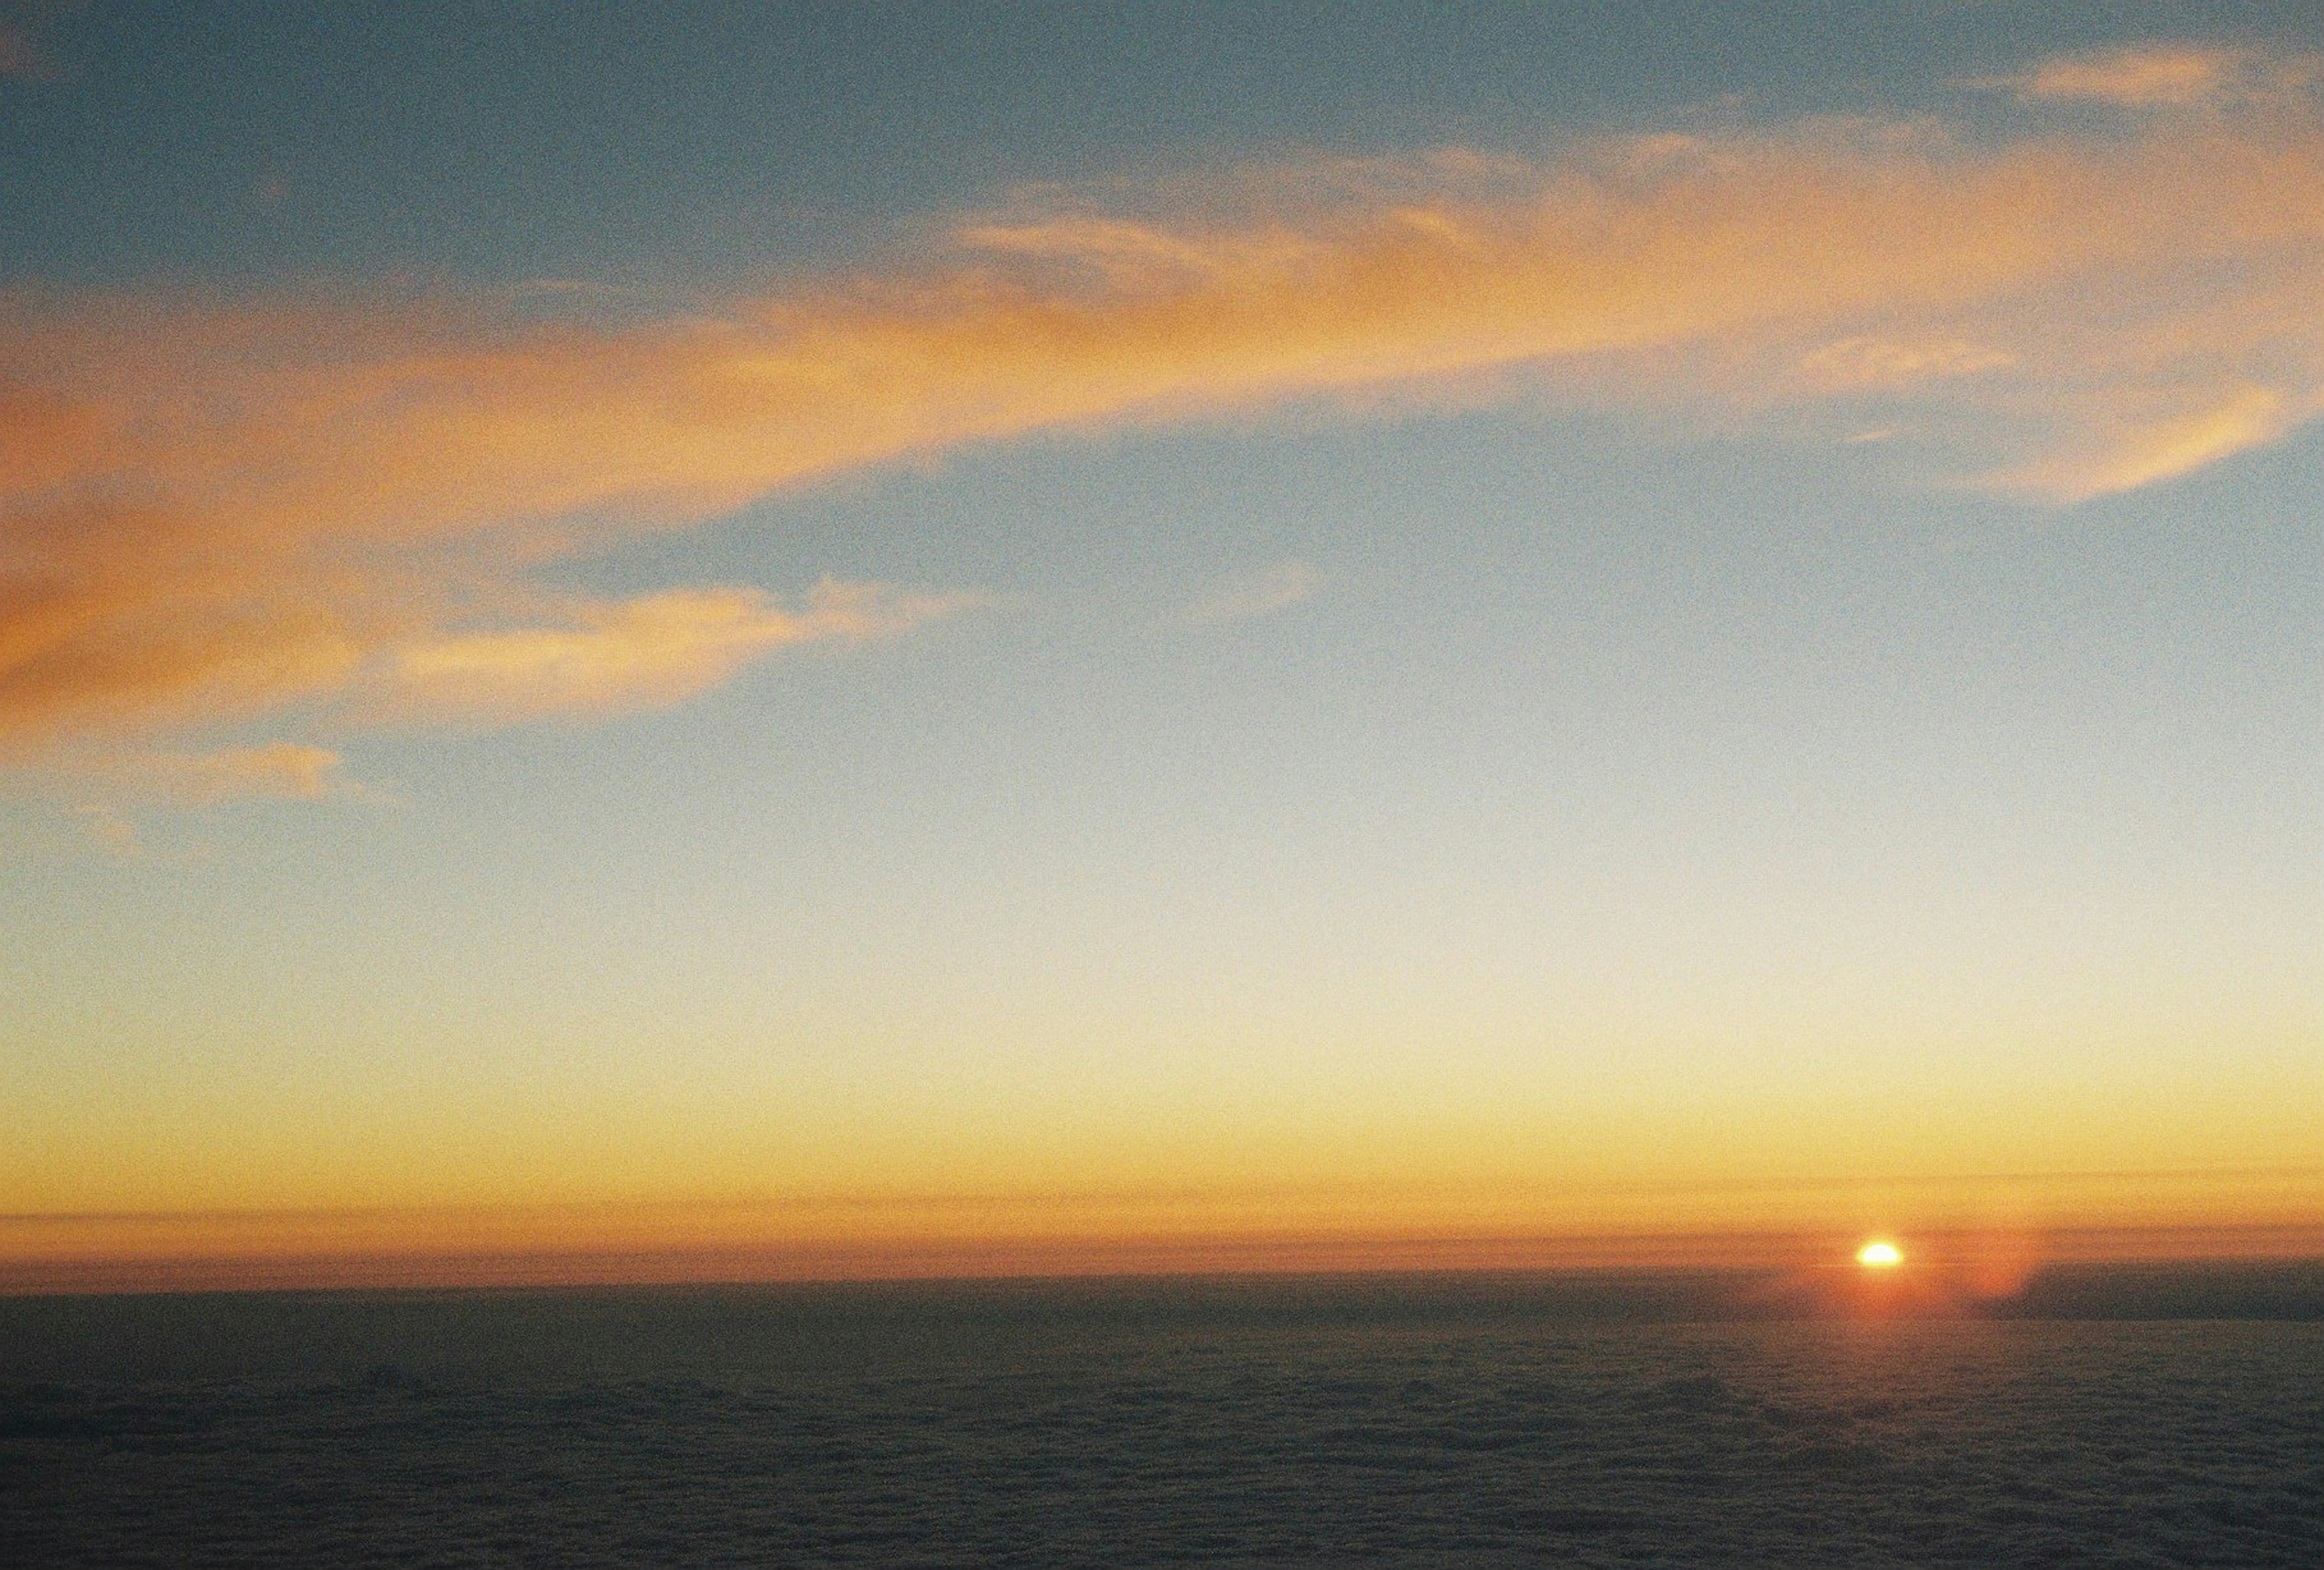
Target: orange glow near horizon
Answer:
[[1312, 740], [644, 1242]]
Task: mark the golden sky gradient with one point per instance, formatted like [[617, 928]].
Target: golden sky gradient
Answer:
[[402, 899]]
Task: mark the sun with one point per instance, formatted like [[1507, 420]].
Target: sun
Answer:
[[1879, 1255]]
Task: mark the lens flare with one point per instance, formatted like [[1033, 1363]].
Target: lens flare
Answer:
[[1879, 1256]]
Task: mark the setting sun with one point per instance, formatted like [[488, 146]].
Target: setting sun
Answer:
[[1879, 1256]]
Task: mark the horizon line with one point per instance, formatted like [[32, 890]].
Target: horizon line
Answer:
[[1984, 1262]]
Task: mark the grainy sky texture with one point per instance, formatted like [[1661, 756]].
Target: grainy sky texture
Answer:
[[865, 638]]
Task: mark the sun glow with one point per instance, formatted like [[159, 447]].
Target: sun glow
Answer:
[[1879, 1256]]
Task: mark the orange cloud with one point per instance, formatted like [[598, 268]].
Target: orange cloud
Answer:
[[285, 770], [213, 510], [631, 654], [2136, 453]]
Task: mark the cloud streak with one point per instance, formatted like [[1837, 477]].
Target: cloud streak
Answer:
[[1249, 595], [18, 57], [213, 510], [2165, 76], [120, 786], [631, 654], [283, 770]]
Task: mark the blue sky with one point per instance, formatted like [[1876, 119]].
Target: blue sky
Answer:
[[232, 142]]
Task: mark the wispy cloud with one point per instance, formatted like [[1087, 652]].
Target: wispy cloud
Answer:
[[282, 770], [25, 29], [18, 57], [2134, 452], [115, 788], [2166, 75], [1248, 596], [217, 509], [640, 653], [1861, 365], [110, 830]]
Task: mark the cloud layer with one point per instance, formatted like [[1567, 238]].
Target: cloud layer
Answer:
[[212, 510]]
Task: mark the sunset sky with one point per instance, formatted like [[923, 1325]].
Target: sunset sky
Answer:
[[760, 640]]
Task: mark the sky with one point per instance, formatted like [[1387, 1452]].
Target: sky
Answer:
[[902, 639]]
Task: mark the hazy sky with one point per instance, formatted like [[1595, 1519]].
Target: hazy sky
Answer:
[[749, 627]]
